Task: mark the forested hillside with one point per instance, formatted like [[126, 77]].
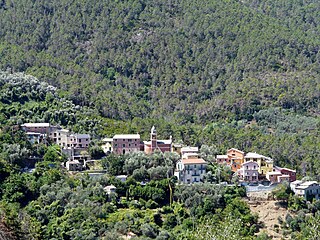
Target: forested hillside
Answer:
[[185, 61], [239, 74], [215, 74]]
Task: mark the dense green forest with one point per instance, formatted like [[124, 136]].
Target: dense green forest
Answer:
[[214, 74], [186, 61]]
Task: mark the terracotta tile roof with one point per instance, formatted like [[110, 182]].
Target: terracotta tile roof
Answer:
[[193, 161], [237, 150]]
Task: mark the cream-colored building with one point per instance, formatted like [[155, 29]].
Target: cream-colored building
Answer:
[[107, 145], [191, 170], [66, 139]]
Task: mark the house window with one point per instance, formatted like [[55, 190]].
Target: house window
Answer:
[[116, 145], [80, 145], [80, 140], [129, 145], [123, 145], [87, 139]]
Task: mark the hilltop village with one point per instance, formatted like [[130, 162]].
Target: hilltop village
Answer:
[[249, 168]]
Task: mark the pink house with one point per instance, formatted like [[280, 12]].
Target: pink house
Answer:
[[43, 128], [286, 171], [277, 177], [249, 171], [126, 143]]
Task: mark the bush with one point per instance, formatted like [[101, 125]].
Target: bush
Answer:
[[170, 221], [151, 204], [166, 210], [135, 204], [149, 230]]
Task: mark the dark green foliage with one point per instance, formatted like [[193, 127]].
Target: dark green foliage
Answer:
[[223, 74], [96, 152], [54, 154], [282, 192], [191, 61], [114, 164]]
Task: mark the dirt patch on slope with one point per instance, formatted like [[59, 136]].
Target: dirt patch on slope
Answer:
[[269, 211]]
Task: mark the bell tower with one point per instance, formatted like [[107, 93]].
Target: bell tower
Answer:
[[153, 138]]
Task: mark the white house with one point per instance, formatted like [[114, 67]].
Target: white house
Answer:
[[110, 189], [107, 145], [190, 170], [74, 165], [189, 150], [308, 189]]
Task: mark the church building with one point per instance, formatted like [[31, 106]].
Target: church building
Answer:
[[155, 144]]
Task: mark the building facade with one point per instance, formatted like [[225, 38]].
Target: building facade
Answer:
[[308, 190], [43, 128], [286, 171], [191, 170], [234, 158], [249, 172], [126, 143], [223, 159], [107, 145], [265, 163], [155, 144]]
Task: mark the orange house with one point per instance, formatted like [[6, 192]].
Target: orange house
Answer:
[[236, 158]]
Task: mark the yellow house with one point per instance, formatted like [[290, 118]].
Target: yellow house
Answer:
[[265, 163]]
